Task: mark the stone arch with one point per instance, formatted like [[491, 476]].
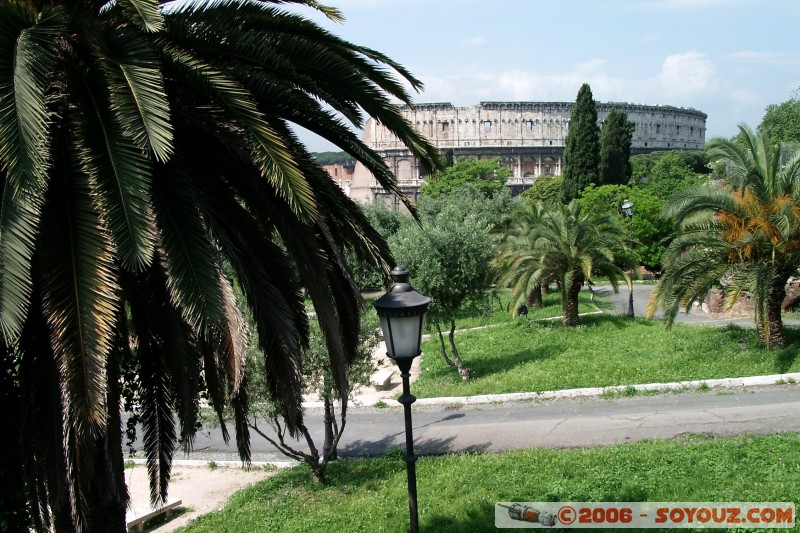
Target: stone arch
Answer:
[[404, 170], [528, 167], [548, 166]]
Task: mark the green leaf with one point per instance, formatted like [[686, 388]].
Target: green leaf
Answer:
[[121, 178], [26, 65], [188, 254], [19, 221], [80, 297], [136, 91], [144, 13]]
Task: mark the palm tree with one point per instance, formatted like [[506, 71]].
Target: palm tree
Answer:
[[512, 270], [149, 166], [567, 246], [747, 241]]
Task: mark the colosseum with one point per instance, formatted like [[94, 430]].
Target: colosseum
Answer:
[[527, 136]]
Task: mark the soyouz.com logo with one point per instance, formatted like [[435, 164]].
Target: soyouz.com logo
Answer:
[[766, 515]]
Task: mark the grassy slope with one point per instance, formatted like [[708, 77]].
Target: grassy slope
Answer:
[[604, 351], [457, 493]]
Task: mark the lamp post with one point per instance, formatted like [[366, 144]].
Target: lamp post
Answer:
[[401, 311], [627, 209]]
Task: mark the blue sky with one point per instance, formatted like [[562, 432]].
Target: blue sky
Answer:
[[727, 58]]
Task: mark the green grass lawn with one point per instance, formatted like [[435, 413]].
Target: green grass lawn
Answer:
[[523, 356], [457, 493]]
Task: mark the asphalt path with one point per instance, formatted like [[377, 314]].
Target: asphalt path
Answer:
[[560, 423]]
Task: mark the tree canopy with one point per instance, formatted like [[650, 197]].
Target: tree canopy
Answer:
[[615, 149], [545, 189], [651, 230], [668, 174], [148, 167], [746, 240], [331, 158], [781, 122], [449, 255], [582, 150], [485, 175]]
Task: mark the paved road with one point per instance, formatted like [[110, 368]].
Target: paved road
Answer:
[[641, 293], [618, 303], [559, 423], [562, 423]]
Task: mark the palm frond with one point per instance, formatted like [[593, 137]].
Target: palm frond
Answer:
[[268, 150], [146, 14], [136, 91], [230, 337], [120, 175], [269, 285], [158, 425], [190, 259], [80, 296], [41, 444], [26, 66], [19, 224]]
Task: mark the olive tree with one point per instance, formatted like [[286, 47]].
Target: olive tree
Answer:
[[449, 255]]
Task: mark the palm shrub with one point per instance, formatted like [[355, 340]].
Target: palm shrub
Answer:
[[747, 241], [140, 150], [520, 223], [565, 245]]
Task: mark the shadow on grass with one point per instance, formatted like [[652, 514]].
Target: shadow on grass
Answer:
[[618, 321], [483, 368], [476, 519], [788, 355]]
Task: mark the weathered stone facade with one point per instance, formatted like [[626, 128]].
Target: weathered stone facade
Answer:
[[341, 174], [529, 138]]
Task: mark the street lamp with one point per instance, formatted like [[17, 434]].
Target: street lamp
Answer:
[[627, 210], [401, 311]]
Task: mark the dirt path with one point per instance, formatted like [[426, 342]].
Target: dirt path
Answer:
[[201, 489]]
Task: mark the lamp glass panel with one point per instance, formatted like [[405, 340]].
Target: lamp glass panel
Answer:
[[402, 339]]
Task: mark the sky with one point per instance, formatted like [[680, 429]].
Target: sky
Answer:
[[727, 58]]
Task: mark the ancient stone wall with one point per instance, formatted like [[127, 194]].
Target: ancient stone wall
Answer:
[[529, 137]]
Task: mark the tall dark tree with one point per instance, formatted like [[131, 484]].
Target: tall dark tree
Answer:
[[582, 151], [141, 151], [615, 149]]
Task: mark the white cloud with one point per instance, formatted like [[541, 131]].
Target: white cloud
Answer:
[[475, 41], [684, 79], [687, 73]]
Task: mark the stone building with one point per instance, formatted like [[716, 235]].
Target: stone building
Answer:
[[529, 138], [341, 174]]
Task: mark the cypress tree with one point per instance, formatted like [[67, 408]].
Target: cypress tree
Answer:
[[582, 151], [615, 149]]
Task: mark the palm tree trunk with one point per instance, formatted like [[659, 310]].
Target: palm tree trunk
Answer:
[[107, 517], [535, 296], [106, 510], [569, 302], [773, 336]]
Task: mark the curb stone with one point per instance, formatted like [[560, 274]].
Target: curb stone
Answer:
[[482, 399]]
